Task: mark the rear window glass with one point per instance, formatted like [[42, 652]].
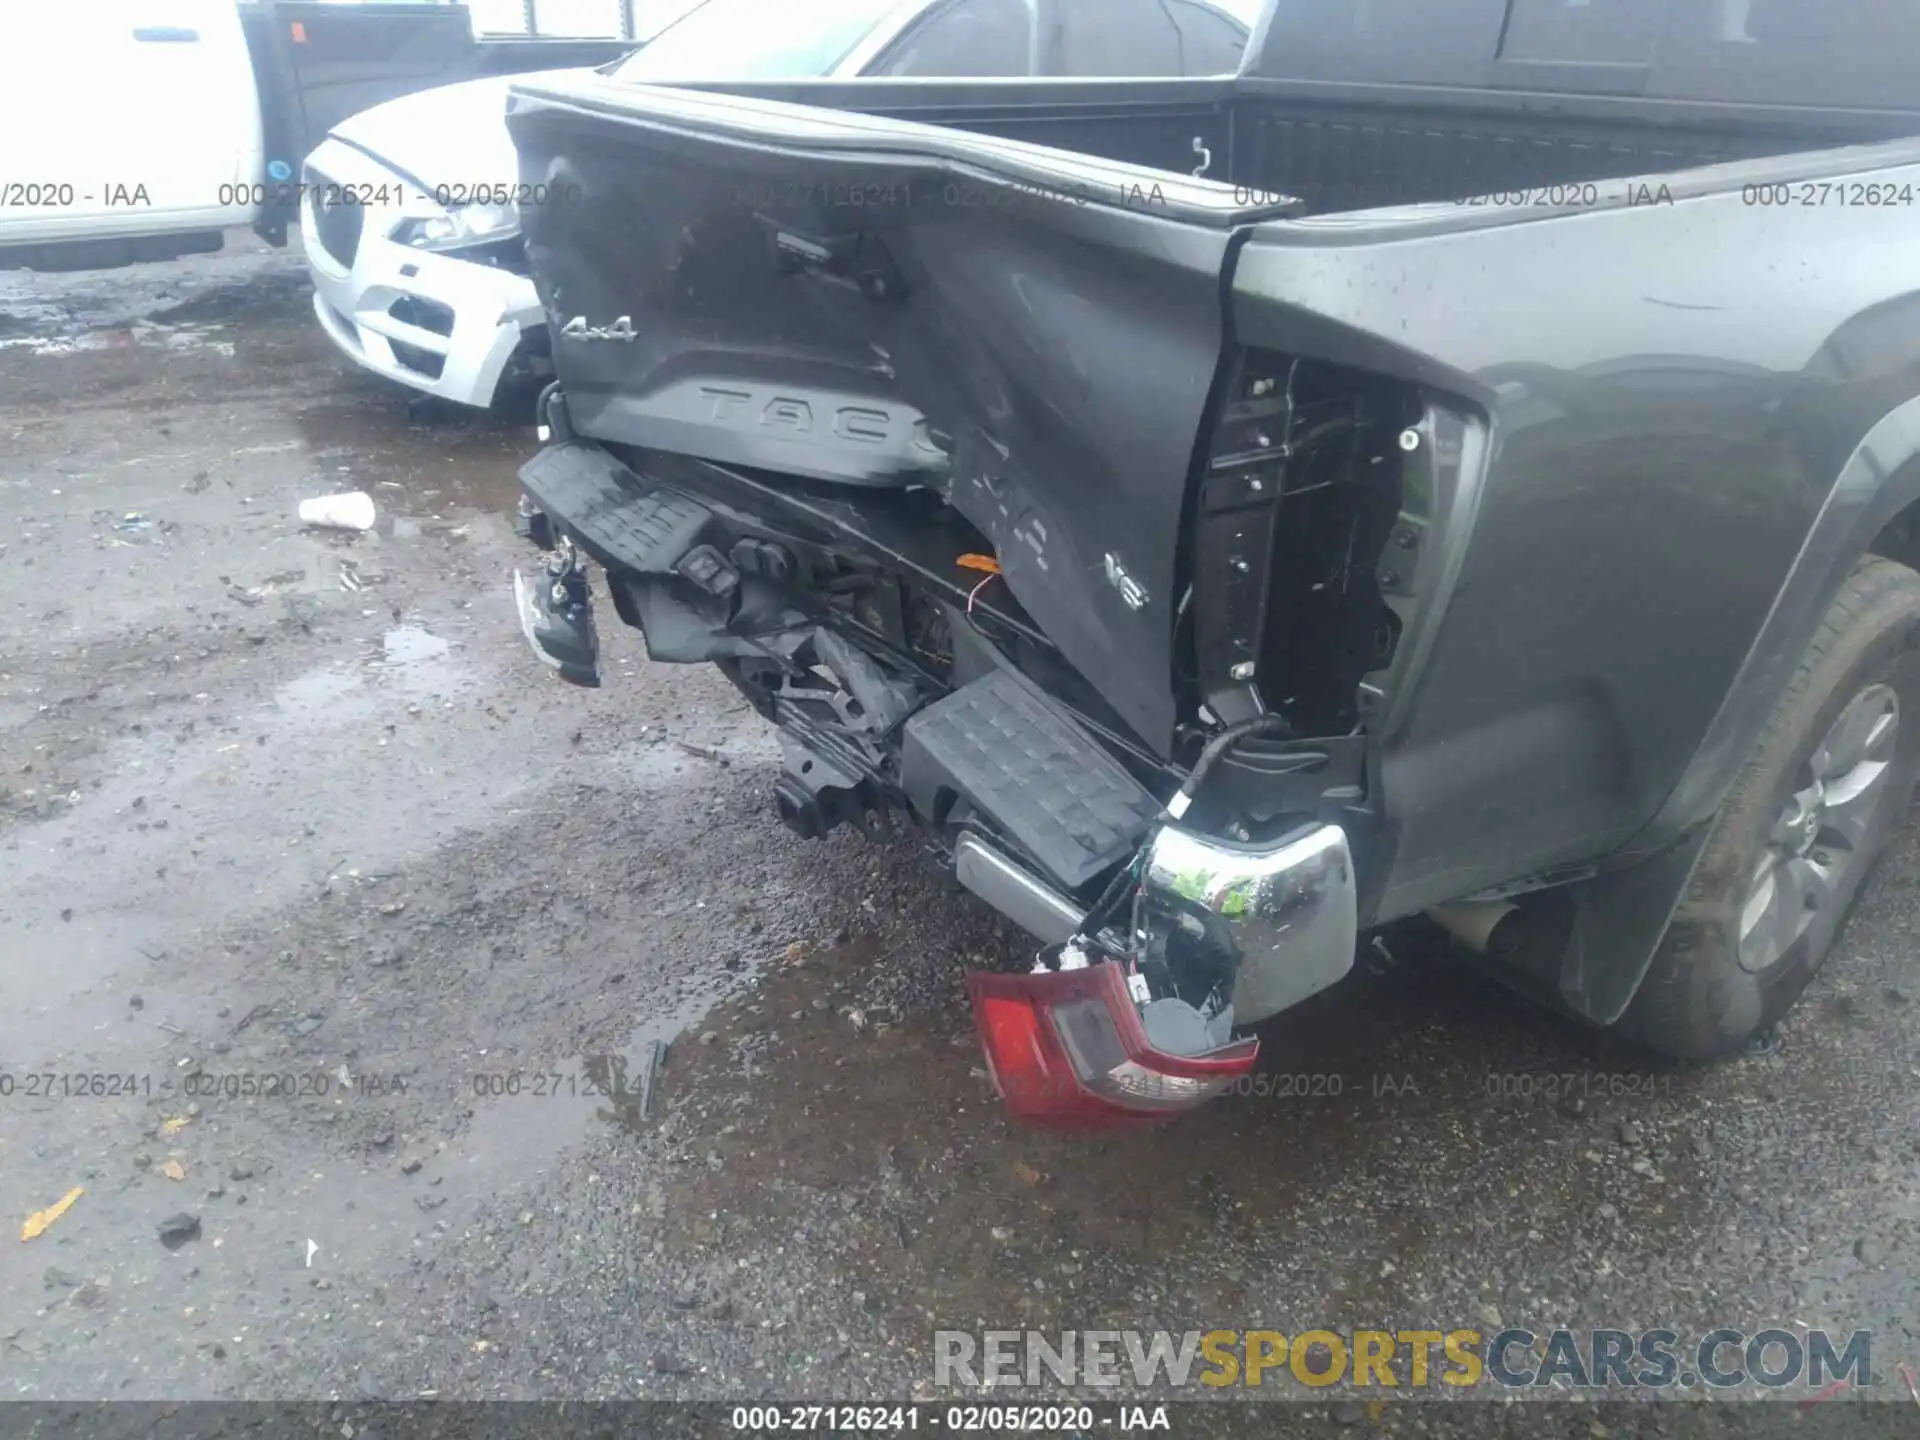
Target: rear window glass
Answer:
[[1445, 42], [1854, 53], [1211, 41], [1144, 37], [968, 37], [1584, 32], [756, 40]]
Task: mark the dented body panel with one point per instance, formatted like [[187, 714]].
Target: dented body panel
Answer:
[[1038, 354]]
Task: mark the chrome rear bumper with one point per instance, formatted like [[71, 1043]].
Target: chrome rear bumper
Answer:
[[1290, 909]]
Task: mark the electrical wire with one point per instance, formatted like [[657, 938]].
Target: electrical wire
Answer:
[[1215, 750], [1107, 907], [974, 593]]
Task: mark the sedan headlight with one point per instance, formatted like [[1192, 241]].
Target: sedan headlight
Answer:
[[449, 229]]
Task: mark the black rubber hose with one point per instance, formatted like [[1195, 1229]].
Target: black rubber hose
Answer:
[[1215, 749], [1107, 907]]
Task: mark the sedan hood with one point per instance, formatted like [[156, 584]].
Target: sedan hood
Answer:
[[450, 135]]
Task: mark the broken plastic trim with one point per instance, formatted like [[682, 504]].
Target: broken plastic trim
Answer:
[[1068, 1051], [556, 616]]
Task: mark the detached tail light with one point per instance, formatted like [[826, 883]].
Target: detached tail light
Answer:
[[1068, 1052]]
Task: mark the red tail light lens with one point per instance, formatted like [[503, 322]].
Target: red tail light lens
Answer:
[[1068, 1052]]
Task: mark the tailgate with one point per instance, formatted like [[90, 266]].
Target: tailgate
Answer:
[[883, 303]]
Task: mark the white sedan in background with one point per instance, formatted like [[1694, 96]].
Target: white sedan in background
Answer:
[[419, 273]]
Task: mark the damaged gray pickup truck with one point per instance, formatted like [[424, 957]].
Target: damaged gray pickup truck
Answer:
[[1464, 464]]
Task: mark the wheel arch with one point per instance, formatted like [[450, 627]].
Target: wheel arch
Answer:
[[1619, 917], [1873, 502]]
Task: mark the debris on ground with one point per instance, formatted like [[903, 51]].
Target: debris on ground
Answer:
[[352, 510], [37, 1223], [650, 1079], [177, 1229]]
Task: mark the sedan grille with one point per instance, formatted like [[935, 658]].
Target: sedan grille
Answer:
[[337, 217]]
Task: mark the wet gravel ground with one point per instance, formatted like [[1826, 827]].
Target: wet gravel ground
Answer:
[[289, 812]]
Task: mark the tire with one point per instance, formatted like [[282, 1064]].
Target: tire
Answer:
[[1731, 963]]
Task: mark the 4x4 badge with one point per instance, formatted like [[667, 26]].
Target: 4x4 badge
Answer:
[[578, 329]]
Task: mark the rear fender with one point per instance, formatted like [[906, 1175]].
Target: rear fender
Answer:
[[1880, 479], [1621, 916], [1656, 523]]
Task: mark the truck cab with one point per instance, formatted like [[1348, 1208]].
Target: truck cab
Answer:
[[129, 130]]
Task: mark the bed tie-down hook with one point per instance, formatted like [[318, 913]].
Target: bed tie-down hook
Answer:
[[1206, 156]]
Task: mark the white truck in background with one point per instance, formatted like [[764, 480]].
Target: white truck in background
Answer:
[[138, 130], [126, 126]]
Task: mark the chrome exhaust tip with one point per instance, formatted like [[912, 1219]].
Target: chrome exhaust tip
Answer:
[[1493, 928]]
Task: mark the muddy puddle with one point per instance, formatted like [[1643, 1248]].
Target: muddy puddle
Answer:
[[422, 462], [1359, 1108], [610, 1088], [180, 339], [243, 280], [407, 662]]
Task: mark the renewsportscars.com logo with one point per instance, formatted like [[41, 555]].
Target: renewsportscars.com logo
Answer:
[[1659, 1358]]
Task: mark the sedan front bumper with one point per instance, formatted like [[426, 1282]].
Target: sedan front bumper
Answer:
[[435, 322]]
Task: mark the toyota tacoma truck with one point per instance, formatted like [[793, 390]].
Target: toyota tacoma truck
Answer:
[[1465, 464]]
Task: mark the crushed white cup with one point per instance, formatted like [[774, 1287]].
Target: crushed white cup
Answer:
[[351, 511]]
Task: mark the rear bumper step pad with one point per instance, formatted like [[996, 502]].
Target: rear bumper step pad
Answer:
[[612, 514], [1013, 754]]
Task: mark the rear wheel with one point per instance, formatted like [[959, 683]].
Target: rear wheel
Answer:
[[1826, 788]]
